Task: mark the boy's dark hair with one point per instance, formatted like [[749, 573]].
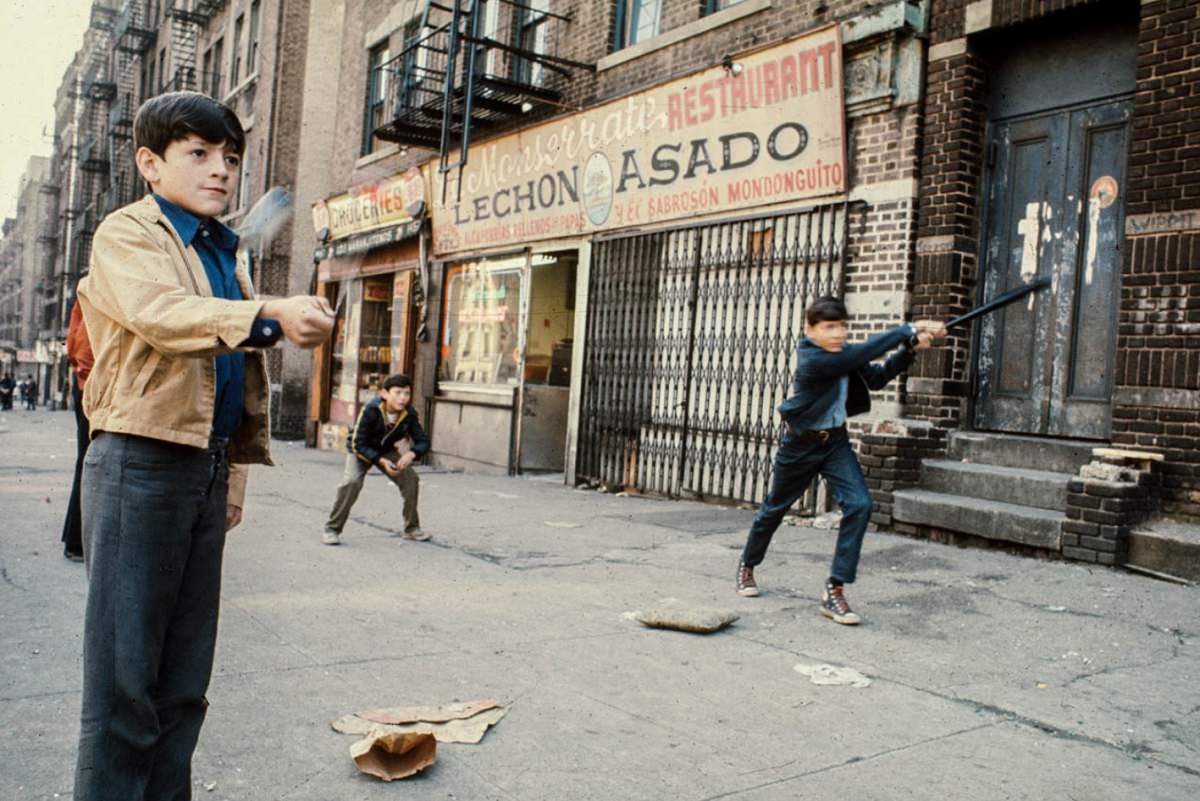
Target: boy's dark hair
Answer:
[[396, 380], [169, 117], [825, 309]]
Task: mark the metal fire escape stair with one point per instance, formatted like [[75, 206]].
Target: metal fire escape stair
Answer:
[[469, 68], [187, 18]]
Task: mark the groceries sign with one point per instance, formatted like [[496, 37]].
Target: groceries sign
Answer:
[[392, 201], [714, 141]]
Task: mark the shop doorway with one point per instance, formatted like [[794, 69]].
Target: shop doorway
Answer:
[[374, 336], [1055, 207], [546, 371], [505, 362]]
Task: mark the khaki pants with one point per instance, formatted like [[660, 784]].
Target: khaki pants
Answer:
[[352, 481]]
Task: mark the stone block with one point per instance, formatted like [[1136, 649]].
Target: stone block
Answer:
[[1098, 544], [1079, 554]]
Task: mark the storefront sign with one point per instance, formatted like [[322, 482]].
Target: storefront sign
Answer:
[[714, 141], [394, 200], [365, 242]]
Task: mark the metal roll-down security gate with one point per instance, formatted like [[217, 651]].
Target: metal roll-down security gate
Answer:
[[691, 342]]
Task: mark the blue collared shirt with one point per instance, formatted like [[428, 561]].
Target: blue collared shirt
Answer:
[[835, 414], [216, 246]]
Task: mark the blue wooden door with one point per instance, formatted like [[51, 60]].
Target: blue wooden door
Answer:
[[1055, 208]]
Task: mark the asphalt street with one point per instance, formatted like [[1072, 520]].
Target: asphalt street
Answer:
[[992, 676]]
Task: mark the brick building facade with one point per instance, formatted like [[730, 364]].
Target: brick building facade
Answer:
[[250, 55], [1133, 346], [872, 225], [985, 143]]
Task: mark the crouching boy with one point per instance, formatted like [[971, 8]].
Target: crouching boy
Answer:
[[832, 382], [389, 436]]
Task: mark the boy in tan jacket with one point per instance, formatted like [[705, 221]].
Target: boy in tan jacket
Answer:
[[177, 402]]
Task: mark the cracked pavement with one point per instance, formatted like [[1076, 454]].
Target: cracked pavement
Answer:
[[993, 676]]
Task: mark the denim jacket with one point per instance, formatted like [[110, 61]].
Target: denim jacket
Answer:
[[815, 385]]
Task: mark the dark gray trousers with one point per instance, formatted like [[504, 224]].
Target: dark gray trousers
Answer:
[[72, 536], [153, 532], [408, 482]]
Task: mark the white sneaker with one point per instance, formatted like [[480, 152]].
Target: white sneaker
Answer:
[[416, 534], [331, 538]]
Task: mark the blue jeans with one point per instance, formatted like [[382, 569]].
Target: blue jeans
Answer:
[[796, 464], [153, 533]]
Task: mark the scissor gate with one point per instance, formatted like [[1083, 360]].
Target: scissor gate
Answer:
[[691, 342]]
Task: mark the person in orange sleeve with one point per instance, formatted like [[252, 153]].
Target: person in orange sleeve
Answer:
[[79, 354]]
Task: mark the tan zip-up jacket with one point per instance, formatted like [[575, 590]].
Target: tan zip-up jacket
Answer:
[[154, 326]]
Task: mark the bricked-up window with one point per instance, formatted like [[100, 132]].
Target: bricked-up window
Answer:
[[637, 21], [242, 200], [377, 90], [214, 80], [252, 44], [235, 72], [210, 76], [205, 71]]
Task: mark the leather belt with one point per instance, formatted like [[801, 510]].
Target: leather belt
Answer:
[[818, 435]]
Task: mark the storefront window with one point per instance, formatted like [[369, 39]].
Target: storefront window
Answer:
[[343, 368], [481, 330], [362, 344], [374, 347]]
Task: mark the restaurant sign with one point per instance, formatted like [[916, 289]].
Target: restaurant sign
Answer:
[[392, 201], [719, 140]]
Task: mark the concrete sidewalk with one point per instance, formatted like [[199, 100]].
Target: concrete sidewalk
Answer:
[[994, 677]]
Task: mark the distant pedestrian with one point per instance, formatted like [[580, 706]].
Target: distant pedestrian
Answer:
[[7, 387], [79, 354], [31, 390], [832, 382], [386, 425]]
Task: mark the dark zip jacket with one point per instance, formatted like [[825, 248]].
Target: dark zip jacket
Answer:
[[372, 437], [815, 382]]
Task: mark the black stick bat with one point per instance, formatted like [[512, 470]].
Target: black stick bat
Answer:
[[1000, 302], [1011, 296]]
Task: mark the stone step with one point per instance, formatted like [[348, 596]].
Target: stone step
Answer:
[[1014, 450], [1166, 547], [993, 520], [1039, 488]]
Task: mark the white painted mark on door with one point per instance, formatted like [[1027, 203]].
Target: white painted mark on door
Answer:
[[1028, 229]]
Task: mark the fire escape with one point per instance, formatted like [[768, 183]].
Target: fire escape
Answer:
[[133, 37], [470, 68], [95, 91], [187, 17]]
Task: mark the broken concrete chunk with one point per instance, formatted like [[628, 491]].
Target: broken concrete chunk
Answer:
[[390, 756], [1101, 471], [696, 621]]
